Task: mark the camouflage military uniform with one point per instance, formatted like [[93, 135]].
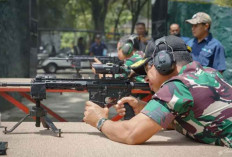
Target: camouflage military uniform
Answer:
[[137, 56], [200, 103]]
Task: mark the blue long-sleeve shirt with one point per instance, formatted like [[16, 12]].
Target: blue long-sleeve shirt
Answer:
[[209, 52]]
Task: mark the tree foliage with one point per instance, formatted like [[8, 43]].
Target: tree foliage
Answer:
[[117, 15], [99, 16], [227, 3], [52, 14], [135, 8]]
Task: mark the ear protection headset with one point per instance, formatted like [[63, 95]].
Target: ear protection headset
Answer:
[[130, 44], [164, 60]]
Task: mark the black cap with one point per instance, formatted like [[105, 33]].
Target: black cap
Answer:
[[149, 48], [175, 44]]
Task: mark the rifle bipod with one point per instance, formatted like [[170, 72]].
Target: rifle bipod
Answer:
[[41, 116]]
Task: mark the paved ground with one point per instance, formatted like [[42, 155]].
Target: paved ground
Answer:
[[82, 140]]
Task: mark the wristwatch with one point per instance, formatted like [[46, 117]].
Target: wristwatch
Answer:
[[100, 123]]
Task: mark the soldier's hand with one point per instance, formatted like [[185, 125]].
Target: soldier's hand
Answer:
[[93, 113], [97, 61], [132, 101]]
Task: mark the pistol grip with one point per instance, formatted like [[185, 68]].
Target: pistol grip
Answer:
[[129, 112]]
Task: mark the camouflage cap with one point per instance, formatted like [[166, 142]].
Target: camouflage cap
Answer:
[[138, 67], [199, 17]]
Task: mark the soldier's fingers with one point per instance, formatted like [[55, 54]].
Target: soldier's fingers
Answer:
[[122, 114], [97, 60], [84, 119], [115, 106], [85, 114], [90, 103], [125, 100], [121, 110], [119, 106]]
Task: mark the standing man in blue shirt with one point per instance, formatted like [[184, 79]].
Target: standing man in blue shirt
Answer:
[[206, 49], [98, 47]]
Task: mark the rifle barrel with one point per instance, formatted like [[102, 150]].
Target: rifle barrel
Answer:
[[4, 84]]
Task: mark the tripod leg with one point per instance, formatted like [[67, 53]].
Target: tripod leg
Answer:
[[51, 125], [15, 126], [44, 123], [38, 112]]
